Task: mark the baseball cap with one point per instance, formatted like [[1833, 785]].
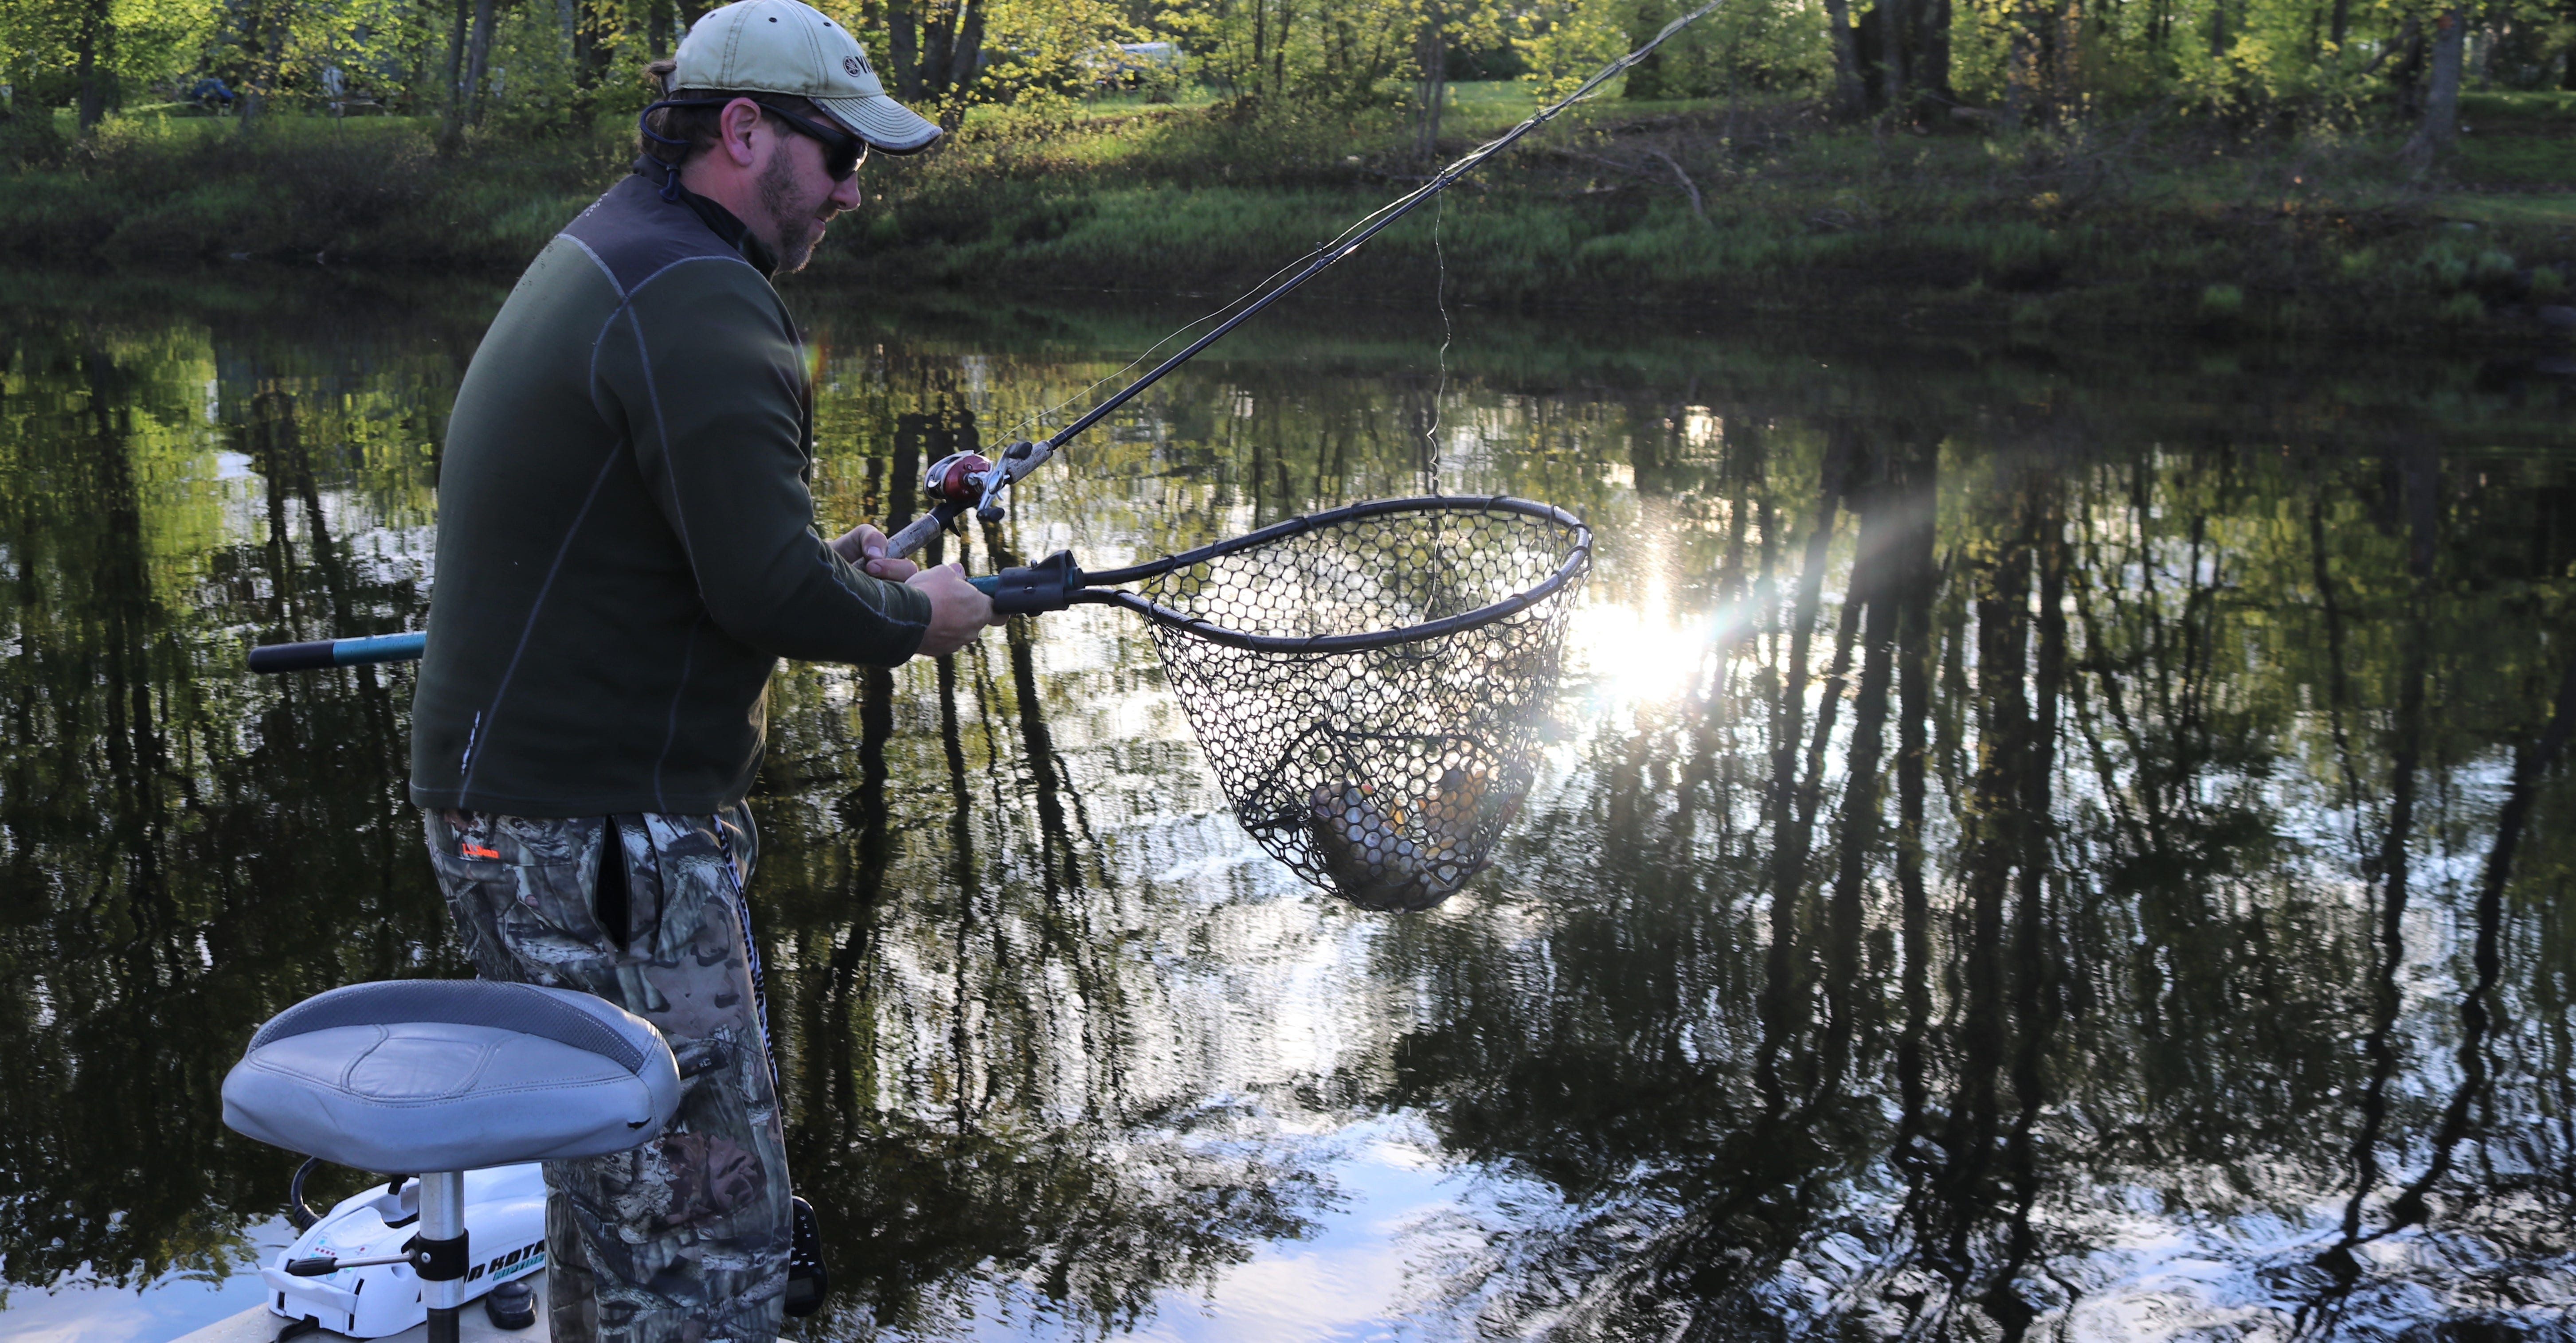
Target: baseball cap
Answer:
[[781, 46]]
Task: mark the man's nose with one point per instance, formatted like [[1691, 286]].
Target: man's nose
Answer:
[[845, 193]]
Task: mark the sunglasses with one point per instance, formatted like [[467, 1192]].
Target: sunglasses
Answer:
[[842, 152]]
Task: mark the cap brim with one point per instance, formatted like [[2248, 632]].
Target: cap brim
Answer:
[[884, 123]]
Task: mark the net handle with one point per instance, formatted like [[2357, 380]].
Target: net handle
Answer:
[[1577, 559]]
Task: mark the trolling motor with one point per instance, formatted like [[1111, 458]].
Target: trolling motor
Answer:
[[360, 1268]]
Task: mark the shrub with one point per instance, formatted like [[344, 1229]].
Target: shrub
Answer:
[[2446, 268], [29, 141]]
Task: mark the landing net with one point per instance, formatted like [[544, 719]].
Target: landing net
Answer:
[[1368, 682]]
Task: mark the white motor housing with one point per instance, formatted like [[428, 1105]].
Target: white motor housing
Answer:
[[505, 1227]]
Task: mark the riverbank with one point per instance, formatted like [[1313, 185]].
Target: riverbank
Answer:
[[1683, 206]]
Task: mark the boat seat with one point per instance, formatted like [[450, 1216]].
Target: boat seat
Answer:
[[447, 1075]]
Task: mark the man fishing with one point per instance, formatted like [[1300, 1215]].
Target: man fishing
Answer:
[[626, 547]]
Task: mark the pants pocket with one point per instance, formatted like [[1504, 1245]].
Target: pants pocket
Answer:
[[531, 919]]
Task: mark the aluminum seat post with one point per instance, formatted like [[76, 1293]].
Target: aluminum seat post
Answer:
[[443, 1253]]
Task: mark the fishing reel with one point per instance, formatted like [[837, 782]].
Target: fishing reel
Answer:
[[971, 480], [957, 478]]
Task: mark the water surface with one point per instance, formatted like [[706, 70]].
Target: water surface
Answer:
[[2033, 842]]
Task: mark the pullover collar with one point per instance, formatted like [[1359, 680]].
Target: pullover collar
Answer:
[[736, 234]]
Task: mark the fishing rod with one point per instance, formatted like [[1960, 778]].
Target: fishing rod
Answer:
[[971, 482], [968, 481]]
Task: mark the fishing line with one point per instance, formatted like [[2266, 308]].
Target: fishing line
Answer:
[[1342, 244], [1041, 416], [1440, 390]]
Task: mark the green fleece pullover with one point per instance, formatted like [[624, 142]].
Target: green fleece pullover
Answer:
[[626, 541]]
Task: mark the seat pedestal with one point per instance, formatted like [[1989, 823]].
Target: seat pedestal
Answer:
[[444, 1250]]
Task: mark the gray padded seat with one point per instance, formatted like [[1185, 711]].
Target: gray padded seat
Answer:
[[440, 1075]]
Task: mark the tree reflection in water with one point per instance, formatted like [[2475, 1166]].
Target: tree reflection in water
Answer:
[[2028, 850]]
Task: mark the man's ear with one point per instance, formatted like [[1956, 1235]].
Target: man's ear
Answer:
[[734, 126]]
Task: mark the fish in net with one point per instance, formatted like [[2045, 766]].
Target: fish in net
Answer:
[[1368, 681]]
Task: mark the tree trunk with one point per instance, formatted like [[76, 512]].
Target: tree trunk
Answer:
[[1646, 77], [267, 30], [451, 125], [2441, 124], [1896, 32], [589, 56], [2025, 64], [947, 42], [478, 62], [948, 45], [1929, 72], [1869, 43], [903, 47], [1279, 50], [966, 49], [2065, 70], [1260, 32], [2407, 76], [1849, 101], [2341, 24], [94, 33], [1434, 86]]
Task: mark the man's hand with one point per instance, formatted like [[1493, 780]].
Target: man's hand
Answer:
[[957, 611], [865, 547]]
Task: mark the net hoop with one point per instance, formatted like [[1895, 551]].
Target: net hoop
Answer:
[[1383, 757], [1578, 560]]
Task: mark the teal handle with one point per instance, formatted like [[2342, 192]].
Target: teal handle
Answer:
[[406, 647], [322, 653]]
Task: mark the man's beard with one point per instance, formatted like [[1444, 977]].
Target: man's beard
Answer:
[[799, 227]]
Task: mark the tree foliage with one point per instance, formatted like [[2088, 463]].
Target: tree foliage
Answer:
[[531, 65]]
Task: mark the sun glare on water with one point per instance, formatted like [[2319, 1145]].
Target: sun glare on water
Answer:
[[1631, 656]]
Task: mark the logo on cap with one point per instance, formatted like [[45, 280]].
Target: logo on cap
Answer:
[[854, 65]]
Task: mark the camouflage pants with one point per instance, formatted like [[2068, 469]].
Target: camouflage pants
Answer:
[[685, 1239]]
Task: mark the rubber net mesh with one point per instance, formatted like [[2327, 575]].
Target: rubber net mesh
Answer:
[[1385, 775]]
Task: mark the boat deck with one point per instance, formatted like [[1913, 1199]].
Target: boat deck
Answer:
[[257, 1325]]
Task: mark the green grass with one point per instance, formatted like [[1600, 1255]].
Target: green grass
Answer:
[[2518, 160], [2555, 210], [160, 191], [2129, 226], [2518, 139], [2539, 107]]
